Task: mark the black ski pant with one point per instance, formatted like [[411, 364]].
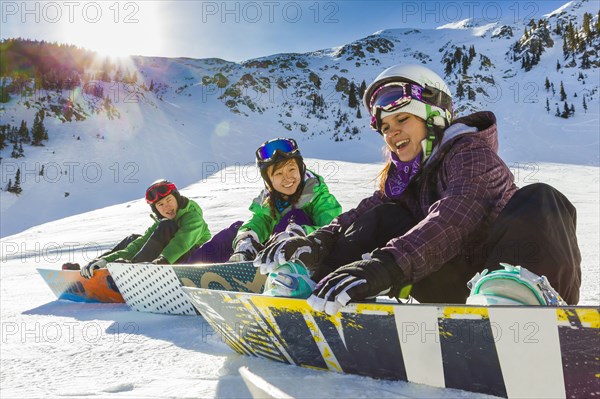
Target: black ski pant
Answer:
[[122, 244], [158, 240], [535, 230]]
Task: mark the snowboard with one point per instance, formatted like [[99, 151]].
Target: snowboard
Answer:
[[507, 351], [157, 288], [259, 388], [69, 285]]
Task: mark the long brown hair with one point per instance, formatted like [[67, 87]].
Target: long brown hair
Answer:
[[383, 174]]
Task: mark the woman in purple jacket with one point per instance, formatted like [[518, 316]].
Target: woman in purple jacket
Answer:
[[447, 208]]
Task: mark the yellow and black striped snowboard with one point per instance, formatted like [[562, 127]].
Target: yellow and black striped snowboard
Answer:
[[506, 351]]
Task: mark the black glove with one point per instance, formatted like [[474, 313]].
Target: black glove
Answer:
[[161, 260], [71, 266], [309, 250], [356, 281], [246, 247]]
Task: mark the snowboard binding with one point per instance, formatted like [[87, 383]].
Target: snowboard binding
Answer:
[[513, 285], [292, 279]]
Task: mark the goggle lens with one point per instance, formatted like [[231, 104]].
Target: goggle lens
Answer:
[[268, 150], [161, 190]]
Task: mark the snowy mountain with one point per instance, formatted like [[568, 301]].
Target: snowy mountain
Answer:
[[186, 119], [198, 123]]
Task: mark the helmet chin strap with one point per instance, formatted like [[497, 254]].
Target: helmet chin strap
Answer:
[[427, 142]]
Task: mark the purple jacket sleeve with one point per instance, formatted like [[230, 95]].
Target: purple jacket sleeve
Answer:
[[472, 181], [343, 221]]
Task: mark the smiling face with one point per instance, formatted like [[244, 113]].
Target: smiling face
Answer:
[[403, 134], [285, 177], [167, 207]]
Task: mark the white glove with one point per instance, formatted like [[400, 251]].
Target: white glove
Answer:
[[88, 270], [292, 230], [246, 247]]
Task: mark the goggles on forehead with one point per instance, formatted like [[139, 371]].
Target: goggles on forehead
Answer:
[[158, 191], [391, 97], [394, 95], [267, 151]]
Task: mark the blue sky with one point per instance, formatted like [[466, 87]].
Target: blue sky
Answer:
[[238, 30]]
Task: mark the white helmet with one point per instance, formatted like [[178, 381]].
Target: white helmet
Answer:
[[432, 101]]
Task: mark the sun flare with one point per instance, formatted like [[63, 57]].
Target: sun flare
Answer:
[[123, 30]]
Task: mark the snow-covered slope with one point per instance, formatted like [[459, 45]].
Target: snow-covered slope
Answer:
[[58, 348]]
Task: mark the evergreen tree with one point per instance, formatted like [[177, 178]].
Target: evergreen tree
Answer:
[[15, 151], [472, 94], [570, 34], [572, 109], [4, 96], [472, 52], [449, 67], [151, 88], [2, 140], [547, 106], [566, 111], [547, 84], [587, 25], [460, 89], [9, 186], [584, 105], [358, 114], [42, 171], [585, 61], [16, 188], [24, 132], [557, 65], [38, 131], [532, 24], [42, 116], [557, 111], [362, 89], [465, 65], [352, 103], [563, 94]]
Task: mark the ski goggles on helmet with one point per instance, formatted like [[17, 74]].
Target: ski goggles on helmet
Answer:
[[394, 95], [267, 151], [391, 97], [158, 191]]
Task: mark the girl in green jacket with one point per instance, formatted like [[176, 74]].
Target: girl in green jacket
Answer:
[[295, 202], [178, 229]]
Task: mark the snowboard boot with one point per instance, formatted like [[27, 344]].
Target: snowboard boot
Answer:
[[292, 280]]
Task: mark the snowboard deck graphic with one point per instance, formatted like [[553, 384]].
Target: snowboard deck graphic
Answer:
[[505, 351], [157, 288], [69, 285]]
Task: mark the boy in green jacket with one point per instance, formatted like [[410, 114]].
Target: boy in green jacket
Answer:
[[295, 202], [178, 229]]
